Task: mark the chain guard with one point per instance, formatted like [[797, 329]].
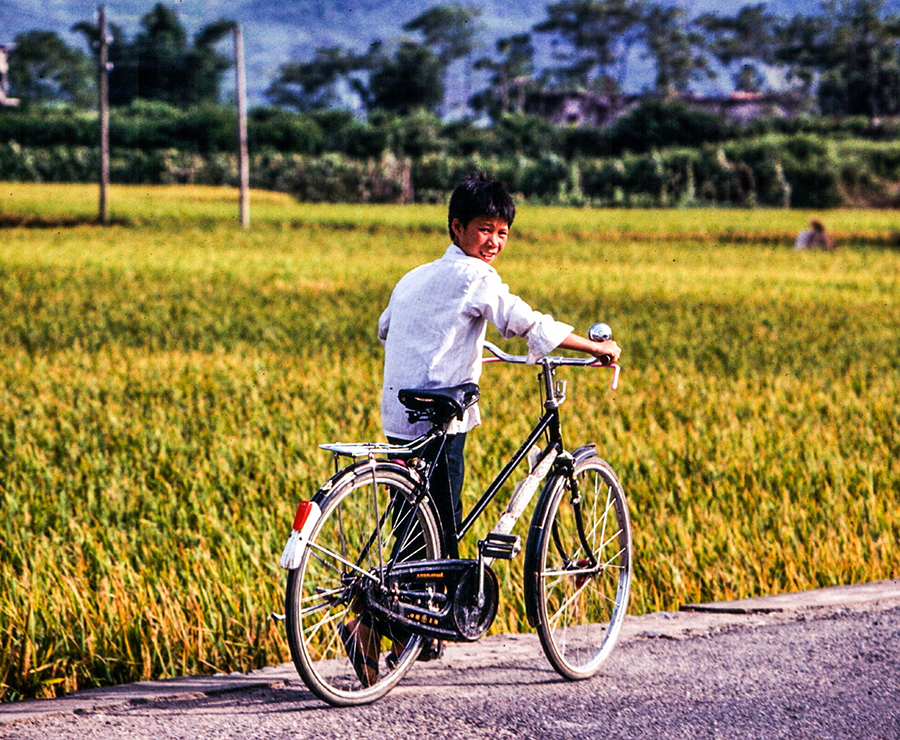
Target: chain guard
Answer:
[[436, 598]]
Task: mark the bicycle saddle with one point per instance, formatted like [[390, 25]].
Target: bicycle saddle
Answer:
[[438, 405]]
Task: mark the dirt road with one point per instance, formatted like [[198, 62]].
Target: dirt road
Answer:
[[822, 664]]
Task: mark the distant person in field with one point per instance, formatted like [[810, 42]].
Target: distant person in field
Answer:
[[814, 237], [433, 333]]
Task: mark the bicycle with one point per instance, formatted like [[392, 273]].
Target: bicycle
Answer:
[[367, 554]]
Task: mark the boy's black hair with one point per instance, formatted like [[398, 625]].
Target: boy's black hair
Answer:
[[476, 196]]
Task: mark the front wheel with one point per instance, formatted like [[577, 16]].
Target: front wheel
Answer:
[[343, 656], [578, 567]]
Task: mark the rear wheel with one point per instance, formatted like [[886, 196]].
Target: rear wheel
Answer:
[[342, 656], [578, 573]]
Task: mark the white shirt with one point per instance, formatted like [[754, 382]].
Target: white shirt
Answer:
[[433, 333]]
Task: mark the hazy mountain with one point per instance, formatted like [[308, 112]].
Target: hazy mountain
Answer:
[[276, 31]]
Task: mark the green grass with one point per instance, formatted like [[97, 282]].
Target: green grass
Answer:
[[164, 383], [135, 205]]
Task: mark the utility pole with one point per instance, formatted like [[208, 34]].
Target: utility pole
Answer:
[[104, 119], [243, 163]]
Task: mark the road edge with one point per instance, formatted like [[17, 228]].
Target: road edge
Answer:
[[689, 621]]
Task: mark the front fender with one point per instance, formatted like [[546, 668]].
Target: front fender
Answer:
[[538, 522], [588, 450], [531, 566]]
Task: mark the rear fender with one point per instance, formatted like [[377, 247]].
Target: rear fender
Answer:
[[300, 533], [363, 467]]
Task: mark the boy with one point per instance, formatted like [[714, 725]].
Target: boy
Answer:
[[433, 332], [433, 328]]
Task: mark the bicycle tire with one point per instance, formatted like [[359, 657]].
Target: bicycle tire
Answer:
[[577, 595], [363, 508]]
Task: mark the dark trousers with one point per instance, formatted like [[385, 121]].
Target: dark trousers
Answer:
[[446, 485]]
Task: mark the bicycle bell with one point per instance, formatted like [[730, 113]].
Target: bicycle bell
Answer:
[[599, 332]]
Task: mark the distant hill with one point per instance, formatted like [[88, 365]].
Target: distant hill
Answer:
[[276, 31]]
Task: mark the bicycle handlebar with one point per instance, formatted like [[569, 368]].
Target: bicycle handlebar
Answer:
[[501, 356]]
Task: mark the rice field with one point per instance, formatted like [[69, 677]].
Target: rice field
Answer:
[[165, 382]]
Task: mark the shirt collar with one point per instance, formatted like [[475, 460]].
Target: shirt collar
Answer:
[[455, 253]]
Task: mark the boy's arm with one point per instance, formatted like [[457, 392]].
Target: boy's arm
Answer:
[[597, 349], [492, 299]]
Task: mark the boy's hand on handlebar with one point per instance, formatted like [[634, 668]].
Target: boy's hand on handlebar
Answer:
[[609, 351], [601, 350]]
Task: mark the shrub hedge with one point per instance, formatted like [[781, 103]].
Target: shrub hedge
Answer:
[[209, 129], [332, 156]]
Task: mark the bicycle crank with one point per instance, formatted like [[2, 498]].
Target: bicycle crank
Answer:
[[453, 600]]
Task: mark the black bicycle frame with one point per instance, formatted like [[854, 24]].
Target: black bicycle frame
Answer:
[[549, 421]]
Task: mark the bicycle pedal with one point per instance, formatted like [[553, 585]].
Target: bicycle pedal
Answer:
[[500, 546]]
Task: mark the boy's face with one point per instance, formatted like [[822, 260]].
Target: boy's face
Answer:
[[483, 237]]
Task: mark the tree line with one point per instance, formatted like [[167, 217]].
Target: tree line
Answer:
[[158, 63], [169, 125], [844, 59]]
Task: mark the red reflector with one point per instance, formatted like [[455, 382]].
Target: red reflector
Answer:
[[303, 510]]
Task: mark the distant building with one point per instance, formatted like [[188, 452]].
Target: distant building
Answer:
[[741, 107], [581, 108], [577, 108], [4, 76]]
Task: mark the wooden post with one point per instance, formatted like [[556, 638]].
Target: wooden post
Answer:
[[104, 119], [243, 163]]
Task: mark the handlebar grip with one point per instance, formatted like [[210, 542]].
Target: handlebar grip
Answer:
[[604, 360]]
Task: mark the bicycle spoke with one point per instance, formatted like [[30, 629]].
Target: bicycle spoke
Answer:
[[324, 604], [316, 627], [343, 561]]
